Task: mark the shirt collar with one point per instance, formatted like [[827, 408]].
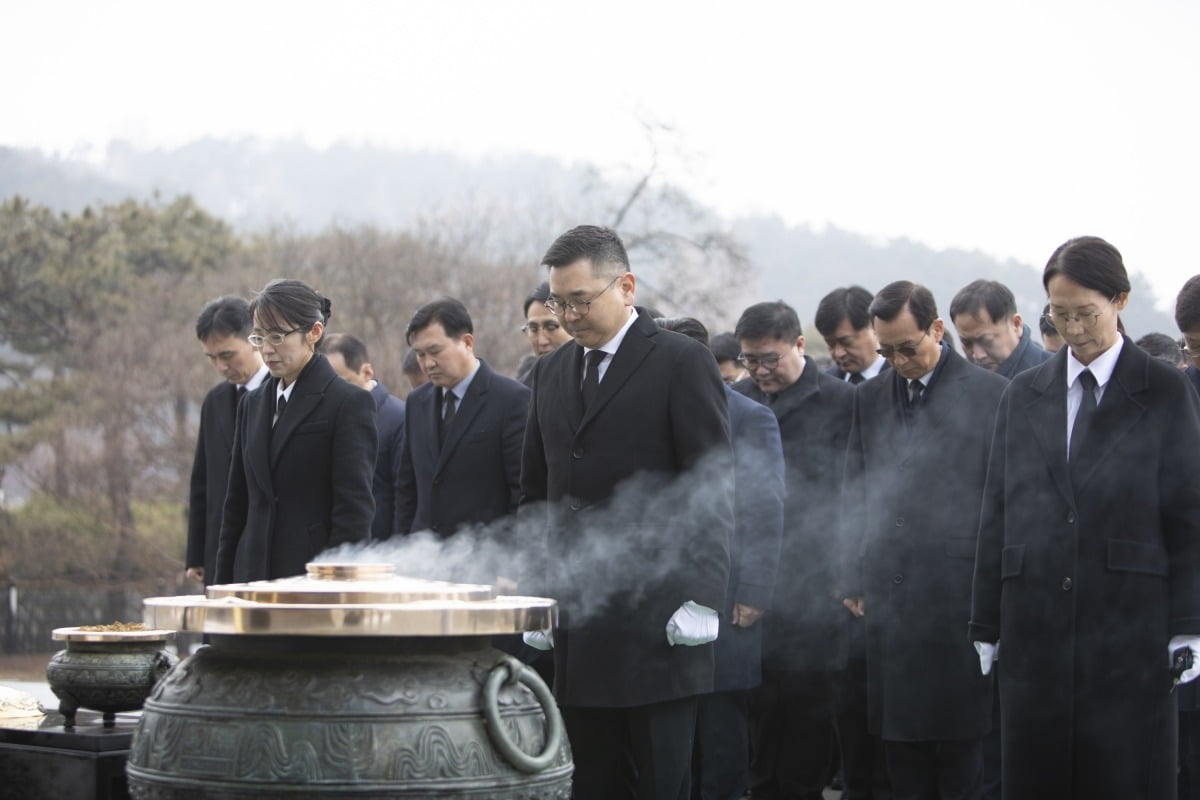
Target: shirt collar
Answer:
[[256, 379], [614, 343], [874, 368], [460, 388], [1101, 367]]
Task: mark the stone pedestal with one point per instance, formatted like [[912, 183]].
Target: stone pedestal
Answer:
[[84, 763]]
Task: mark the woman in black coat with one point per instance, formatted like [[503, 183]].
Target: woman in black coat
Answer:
[[303, 450], [1088, 567]]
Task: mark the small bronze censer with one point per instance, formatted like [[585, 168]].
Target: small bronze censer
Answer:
[[107, 668]]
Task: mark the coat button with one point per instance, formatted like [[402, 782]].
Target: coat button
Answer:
[[1070, 517], [574, 506], [897, 579], [1066, 584], [435, 528], [577, 452], [899, 523], [437, 481]]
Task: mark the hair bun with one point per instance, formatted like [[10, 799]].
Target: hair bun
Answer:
[[326, 308]]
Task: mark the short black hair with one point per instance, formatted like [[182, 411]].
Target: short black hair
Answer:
[[769, 320], [688, 326], [725, 347], [225, 316], [1162, 347], [602, 246], [1092, 263], [1045, 325], [411, 365], [895, 297], [848, 302], [539, 295], [1187, 306], [449, 313], [352, 349], [992, 296], [288, 303]]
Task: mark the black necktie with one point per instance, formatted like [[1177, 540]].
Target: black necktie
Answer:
[[856, 378], [449, 402], [591, 377], [279, 407], [1085, 415], [915, 388]]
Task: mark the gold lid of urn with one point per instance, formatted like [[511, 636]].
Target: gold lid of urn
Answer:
[[335, 599]]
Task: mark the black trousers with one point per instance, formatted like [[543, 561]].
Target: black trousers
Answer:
[[640, 753], [721, 758], [864, 764], [791, 735], [949, 769]]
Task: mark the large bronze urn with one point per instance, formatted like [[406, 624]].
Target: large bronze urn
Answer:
[[350, 682]]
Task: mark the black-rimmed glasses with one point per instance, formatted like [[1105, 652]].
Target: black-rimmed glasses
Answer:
[[907, 350]]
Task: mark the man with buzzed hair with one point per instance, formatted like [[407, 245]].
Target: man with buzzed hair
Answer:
[[991, 331], [1187, 317], [348, 356], [915, 471], [845, 325], [624, 408], [222, 328]]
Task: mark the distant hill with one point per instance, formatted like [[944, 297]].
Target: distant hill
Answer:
[[526, 199]]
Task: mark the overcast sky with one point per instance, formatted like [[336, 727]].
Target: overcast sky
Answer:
[[1007, 127]]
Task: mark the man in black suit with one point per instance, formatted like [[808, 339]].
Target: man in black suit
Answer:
[[844, 324], [628, 447], [348, 356], [915, 472], [991, 331], [461, 459], [1187, 317], [222, 328], [793, 730]]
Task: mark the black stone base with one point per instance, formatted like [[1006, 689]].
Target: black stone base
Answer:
[[84, 763]]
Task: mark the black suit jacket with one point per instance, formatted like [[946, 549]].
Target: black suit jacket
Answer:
[[303, 486], [1084, 583], [210, 476], [389, 420], [636, 525], [914, 483], [475, 475], [814, 424]]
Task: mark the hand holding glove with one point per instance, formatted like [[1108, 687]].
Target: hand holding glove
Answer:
[[988, 653], [693, 624], [540, 640], [1192, 642]]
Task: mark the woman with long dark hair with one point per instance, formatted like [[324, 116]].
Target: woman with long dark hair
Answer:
[[303, 450], [1088, 568]]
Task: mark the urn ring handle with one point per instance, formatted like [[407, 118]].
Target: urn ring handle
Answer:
[[511, 670]]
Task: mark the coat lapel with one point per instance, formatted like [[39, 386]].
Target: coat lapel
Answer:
[[259, 407], [1046, 412], [472, 405], [636, 345], [1120, 409], [310, 388]]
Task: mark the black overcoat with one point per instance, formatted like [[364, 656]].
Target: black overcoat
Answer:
[[1084, 585], [389, 422], [634, 524], [914, 483], [758, 532], [210, 476], [474, 476], [302, 487], [805, 630]]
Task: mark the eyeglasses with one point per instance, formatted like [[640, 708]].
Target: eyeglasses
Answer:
[[907, 350], [768, 361], [274, 338], [1060, 321], [560, 307], [534, 328]]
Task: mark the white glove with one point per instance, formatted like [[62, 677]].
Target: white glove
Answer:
[[541, 640], [988, 653], [1186, 641], [693, 624]]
